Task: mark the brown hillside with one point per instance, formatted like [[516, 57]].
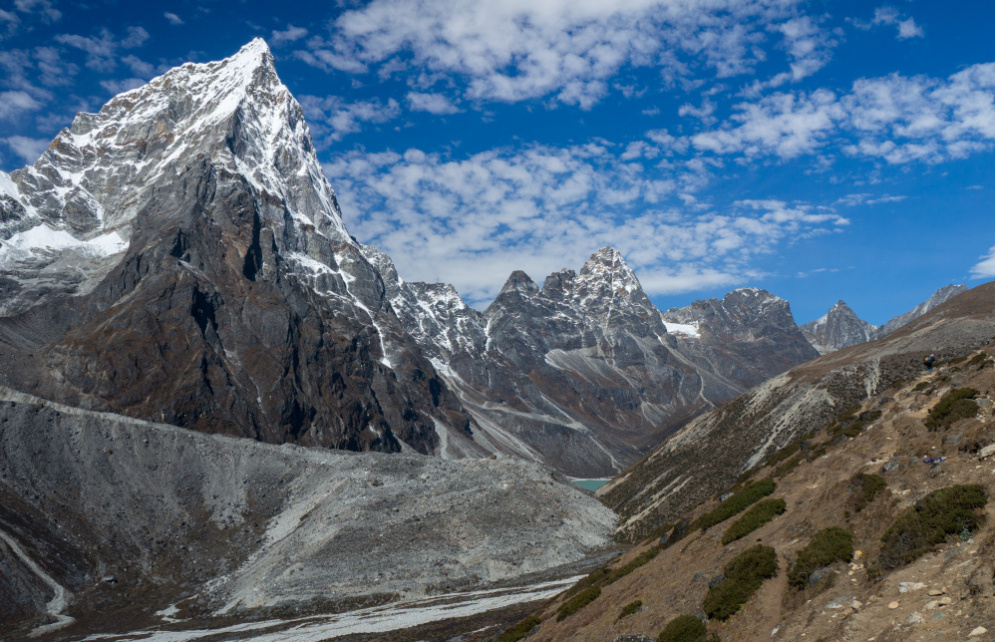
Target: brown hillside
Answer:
[[947, 593]]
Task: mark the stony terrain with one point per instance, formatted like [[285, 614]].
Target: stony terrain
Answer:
[[946, 594], [584, 373], [130, 517], [708, 454]]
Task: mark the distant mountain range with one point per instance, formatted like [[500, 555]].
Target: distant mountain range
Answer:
[[842, 328], [178, 260], [179, 257]]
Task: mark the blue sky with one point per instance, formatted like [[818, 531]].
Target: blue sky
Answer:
[[821, 150]]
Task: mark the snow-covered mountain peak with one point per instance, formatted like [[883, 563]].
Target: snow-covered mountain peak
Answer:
[[233, 119], [607, 265]]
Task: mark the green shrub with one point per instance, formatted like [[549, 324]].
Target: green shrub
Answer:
[[829, 545], [864, 489], [520, 630], [754, 518], [597, 576], [578, 602], [922, 385], [630, 608], [737, 503], [743, 576], [956, 404], [785, 453], [922, 527], [632, 565], [978, 358], [683, 628], [789, 465]]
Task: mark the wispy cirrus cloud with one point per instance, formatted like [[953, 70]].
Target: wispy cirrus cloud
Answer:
[[102, 50], [907, 27], [290, 34], [565, 49], [985, 269], [895, 118], [474, 220], [332, 118], [26, 148]]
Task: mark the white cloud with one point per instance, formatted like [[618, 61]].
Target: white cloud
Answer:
[[907, 28], [894, 118], [331, 118], [101, 51], [173, 19], [28, 149], [472, 221], [116, 87], [43, 8], [14, 103], [985, 269], [432, 103], [785, 124], [567, 49], [8, 23], [290, 34]]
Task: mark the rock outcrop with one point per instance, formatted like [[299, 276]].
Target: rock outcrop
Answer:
[[838, 328], [213, 285]]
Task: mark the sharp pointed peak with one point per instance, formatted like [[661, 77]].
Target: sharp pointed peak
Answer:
[[520, 281]]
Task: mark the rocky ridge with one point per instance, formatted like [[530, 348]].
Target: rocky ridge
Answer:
[[584, 372], [841, 327], [710, 452], [883, 443], [213, 285], [129, 517]]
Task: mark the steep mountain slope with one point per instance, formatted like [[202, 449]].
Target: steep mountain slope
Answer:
[[122, 518], [939, 297], [582, 373], [180, 257], [861, 547], [747, 337], [838, 328], [841, 327], [708, 454]]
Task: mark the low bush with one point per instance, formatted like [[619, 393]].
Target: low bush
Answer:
[[743, 576], [597, 576], [829, 545], [683, 628], [737, 503], [520, 630], [977, 359], [864, 488], [956, 404], [630, 608], [754, 518], [578, 602], [948, 511], [922, 385], [789, 465], [630, 566]]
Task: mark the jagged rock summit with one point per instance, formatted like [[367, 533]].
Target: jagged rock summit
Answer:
[[838, 328], [583, 372], [215, 285], [841, 327]]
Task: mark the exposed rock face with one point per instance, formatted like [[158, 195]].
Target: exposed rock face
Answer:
[[215, 286], [167, 514], [582, 372], [747, 337], [838, 328], [709, 453], [841, 327], [939, 297]]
